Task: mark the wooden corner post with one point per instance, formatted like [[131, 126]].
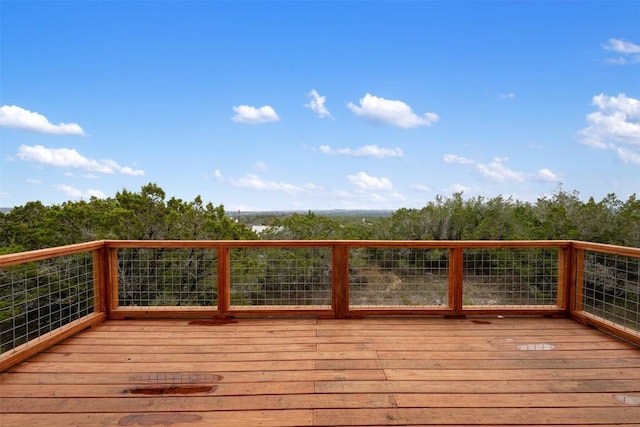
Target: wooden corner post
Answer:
[[577, 287], [340, 281], [112, 297], [100, 279]]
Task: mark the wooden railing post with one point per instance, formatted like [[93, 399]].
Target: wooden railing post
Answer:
[[565, 275], [577, 294], [224, 280], [340, 281], [100, 279], [112, 299], [455, 280]]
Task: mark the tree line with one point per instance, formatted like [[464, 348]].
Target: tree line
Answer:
[[149, 215], [37, 297]]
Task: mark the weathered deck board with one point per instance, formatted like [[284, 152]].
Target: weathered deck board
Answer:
[[411, 371], [478, 416], [628, 387], [266, 418]]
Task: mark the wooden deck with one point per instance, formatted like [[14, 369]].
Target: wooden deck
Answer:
[[299, 372]]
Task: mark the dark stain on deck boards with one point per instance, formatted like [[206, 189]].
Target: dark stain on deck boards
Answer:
[[176, 378], [165, 419], [173, 389]]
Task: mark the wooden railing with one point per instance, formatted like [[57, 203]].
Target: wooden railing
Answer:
[[51, 294], [33, 288], [605, 291]]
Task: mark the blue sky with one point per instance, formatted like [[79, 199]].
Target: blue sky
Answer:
[[318, 105]]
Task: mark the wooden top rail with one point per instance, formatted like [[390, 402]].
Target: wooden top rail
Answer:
[[466, 244], [40, 254], [36, 255], [609, 249]]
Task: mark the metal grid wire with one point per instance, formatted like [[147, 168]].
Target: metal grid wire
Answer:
[[510, 276], [267, 277], [398, 277], [168, 277], [611, 288], [38, 297]]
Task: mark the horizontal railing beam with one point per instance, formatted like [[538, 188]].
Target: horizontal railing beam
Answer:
[[608, 249], [442, 244], [41, 254]]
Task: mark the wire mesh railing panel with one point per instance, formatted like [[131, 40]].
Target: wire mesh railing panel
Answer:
[[41, 296], [167, 277], [398, 277], [510, 277], [611, 288], [271, 277]]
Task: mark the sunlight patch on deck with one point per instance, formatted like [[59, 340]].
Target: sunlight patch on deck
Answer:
[[176, 378], [627, 400], [536, 347], [165, 419]]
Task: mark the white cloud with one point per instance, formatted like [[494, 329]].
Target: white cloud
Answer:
[[613, 104], [16, 117], [217, 174], [68, 157], [420, 187], [546, 175], [126, 170], [364, 151], [252, 115], [458, 188], [616, 126], [261, 166], [366, 182], [316, 104], [311, 186], [34, 181], [629, 52], [620, 60], [254, 182], [455, 159], [509, 95], [395, 113], [621, 46], [4, 195], [628, 156], [95, 193], [496, 171], [78, 194]]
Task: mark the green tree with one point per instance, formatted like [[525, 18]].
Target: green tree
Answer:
[[556, 216], [628, 223], [28, 227], [141, 216], [308, 227]]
